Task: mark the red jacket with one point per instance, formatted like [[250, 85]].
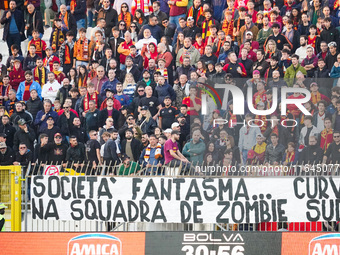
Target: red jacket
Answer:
[[16, 76]]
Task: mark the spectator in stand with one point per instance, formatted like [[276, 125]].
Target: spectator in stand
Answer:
[[7, 155], [25, 135], [14, 26]]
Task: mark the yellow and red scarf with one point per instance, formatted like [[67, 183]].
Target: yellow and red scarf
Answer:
[[40, 79], [164, 72], [87, 100], [82, 50], [290, 157], [315, 98], [326, 139], [206, 28], [228, 28], [57, 39]]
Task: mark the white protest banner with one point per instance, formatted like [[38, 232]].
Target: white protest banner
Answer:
[[186, 200]]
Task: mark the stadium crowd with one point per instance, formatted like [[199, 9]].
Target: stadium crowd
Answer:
[[129, 93]]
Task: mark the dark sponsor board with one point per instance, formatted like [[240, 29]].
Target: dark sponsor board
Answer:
[[212, 243]]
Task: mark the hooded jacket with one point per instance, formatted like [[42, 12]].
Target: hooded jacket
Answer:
[[16, 76]]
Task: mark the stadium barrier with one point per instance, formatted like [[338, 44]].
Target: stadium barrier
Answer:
[[169, 243], [10, 195], [36, 224]]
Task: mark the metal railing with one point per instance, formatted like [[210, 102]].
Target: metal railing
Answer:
[[30, 224]]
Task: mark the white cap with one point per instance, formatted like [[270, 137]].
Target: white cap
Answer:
[[175, 124], [168, 130]]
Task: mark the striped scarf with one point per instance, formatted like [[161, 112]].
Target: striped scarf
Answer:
[[87, 100], [228, 27], [158, 152], [82, 49], [137, 4], [290, 157], [57, 39], [206, 28], [164, 72], [199, 13], [41, 79]]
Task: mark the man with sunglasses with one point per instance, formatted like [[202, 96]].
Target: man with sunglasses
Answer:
[[93, 150], [24, 156], [332, 154], [110, 15], [168, 28]]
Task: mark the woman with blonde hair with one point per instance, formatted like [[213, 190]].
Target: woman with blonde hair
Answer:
[[129, 86], [145, 121], [271, 50]]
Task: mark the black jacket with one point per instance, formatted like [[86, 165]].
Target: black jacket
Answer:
[[103, 115], [80, 10], [80, 133], [40, 155], [9, 130], [34, 106], [111, 18], [7, 159], [114, 44], [22, 137], [147, 126], [24, 159], [36, 22], [66, 124], [135, 72], [330, 35], [20, 115], [76, 154], [19, 19], [311, 154], [56, 153], [136, 148], [51, 132]]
